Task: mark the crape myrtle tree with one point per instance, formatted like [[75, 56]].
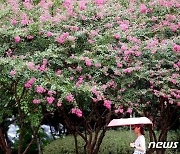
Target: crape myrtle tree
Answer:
[[88, 60]]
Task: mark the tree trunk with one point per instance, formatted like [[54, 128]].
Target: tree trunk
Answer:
[[38, 145], [76, 143], [3, 143]]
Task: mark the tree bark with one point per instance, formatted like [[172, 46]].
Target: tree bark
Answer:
[[3, 143], [20, 116], [76, 143]]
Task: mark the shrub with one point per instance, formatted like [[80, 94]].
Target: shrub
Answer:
[[114, 142]]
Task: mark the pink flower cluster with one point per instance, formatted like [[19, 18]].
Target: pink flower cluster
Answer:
[[49, 34], [30, 82], [70, 98], [31, 65], [116, 36], [127, 70], [58, 72], [62, 38], [99, 2], [42, 68], [176, 48], [36, 101], [17, 39], [28, 5], [82, 5], [88, 61], [50, 99], [40, 89], [107, 104], [59, 103], [78, 112], [129, 110], [80, 81], [143, 8], [13, 72]]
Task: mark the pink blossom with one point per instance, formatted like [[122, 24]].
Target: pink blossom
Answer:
[[137, 68], [32, 80], [40, 89], [178, 104], [31, 65], [108, 25], [143, 8], [118, 97], [128, 52], [94, 99], [136, 104], [177, 96], [79, 68], [129, 110], [94, 91], [42, 68], [49, 34], [28, 5], [175, 75], [88, 62], [123, 47], [13, 21], [116, 111], [127, 70], [84, 17], [65, 35], [91, 41], [82, 5], [116, 36], [98, 65], [71, 38], [74, 28], [17, 39], [122, 90], [173, 81], [71, 78], [58, 72], [171, 102], [73, 110], [13, 72], [116, 72], [154, 18], [124, 27], [107, 104], [28, 85], [121, 110], [138, 53], [30, 37], [173, 27], [70, 98], [78, 112], [59, 103], [9, 52], [44, 61], [36, 101], [170, 17], [24, 21], [93, 33], [60, 40], [176, 48], [178, 64], [50, 99], [72, 56], [99, 2]]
